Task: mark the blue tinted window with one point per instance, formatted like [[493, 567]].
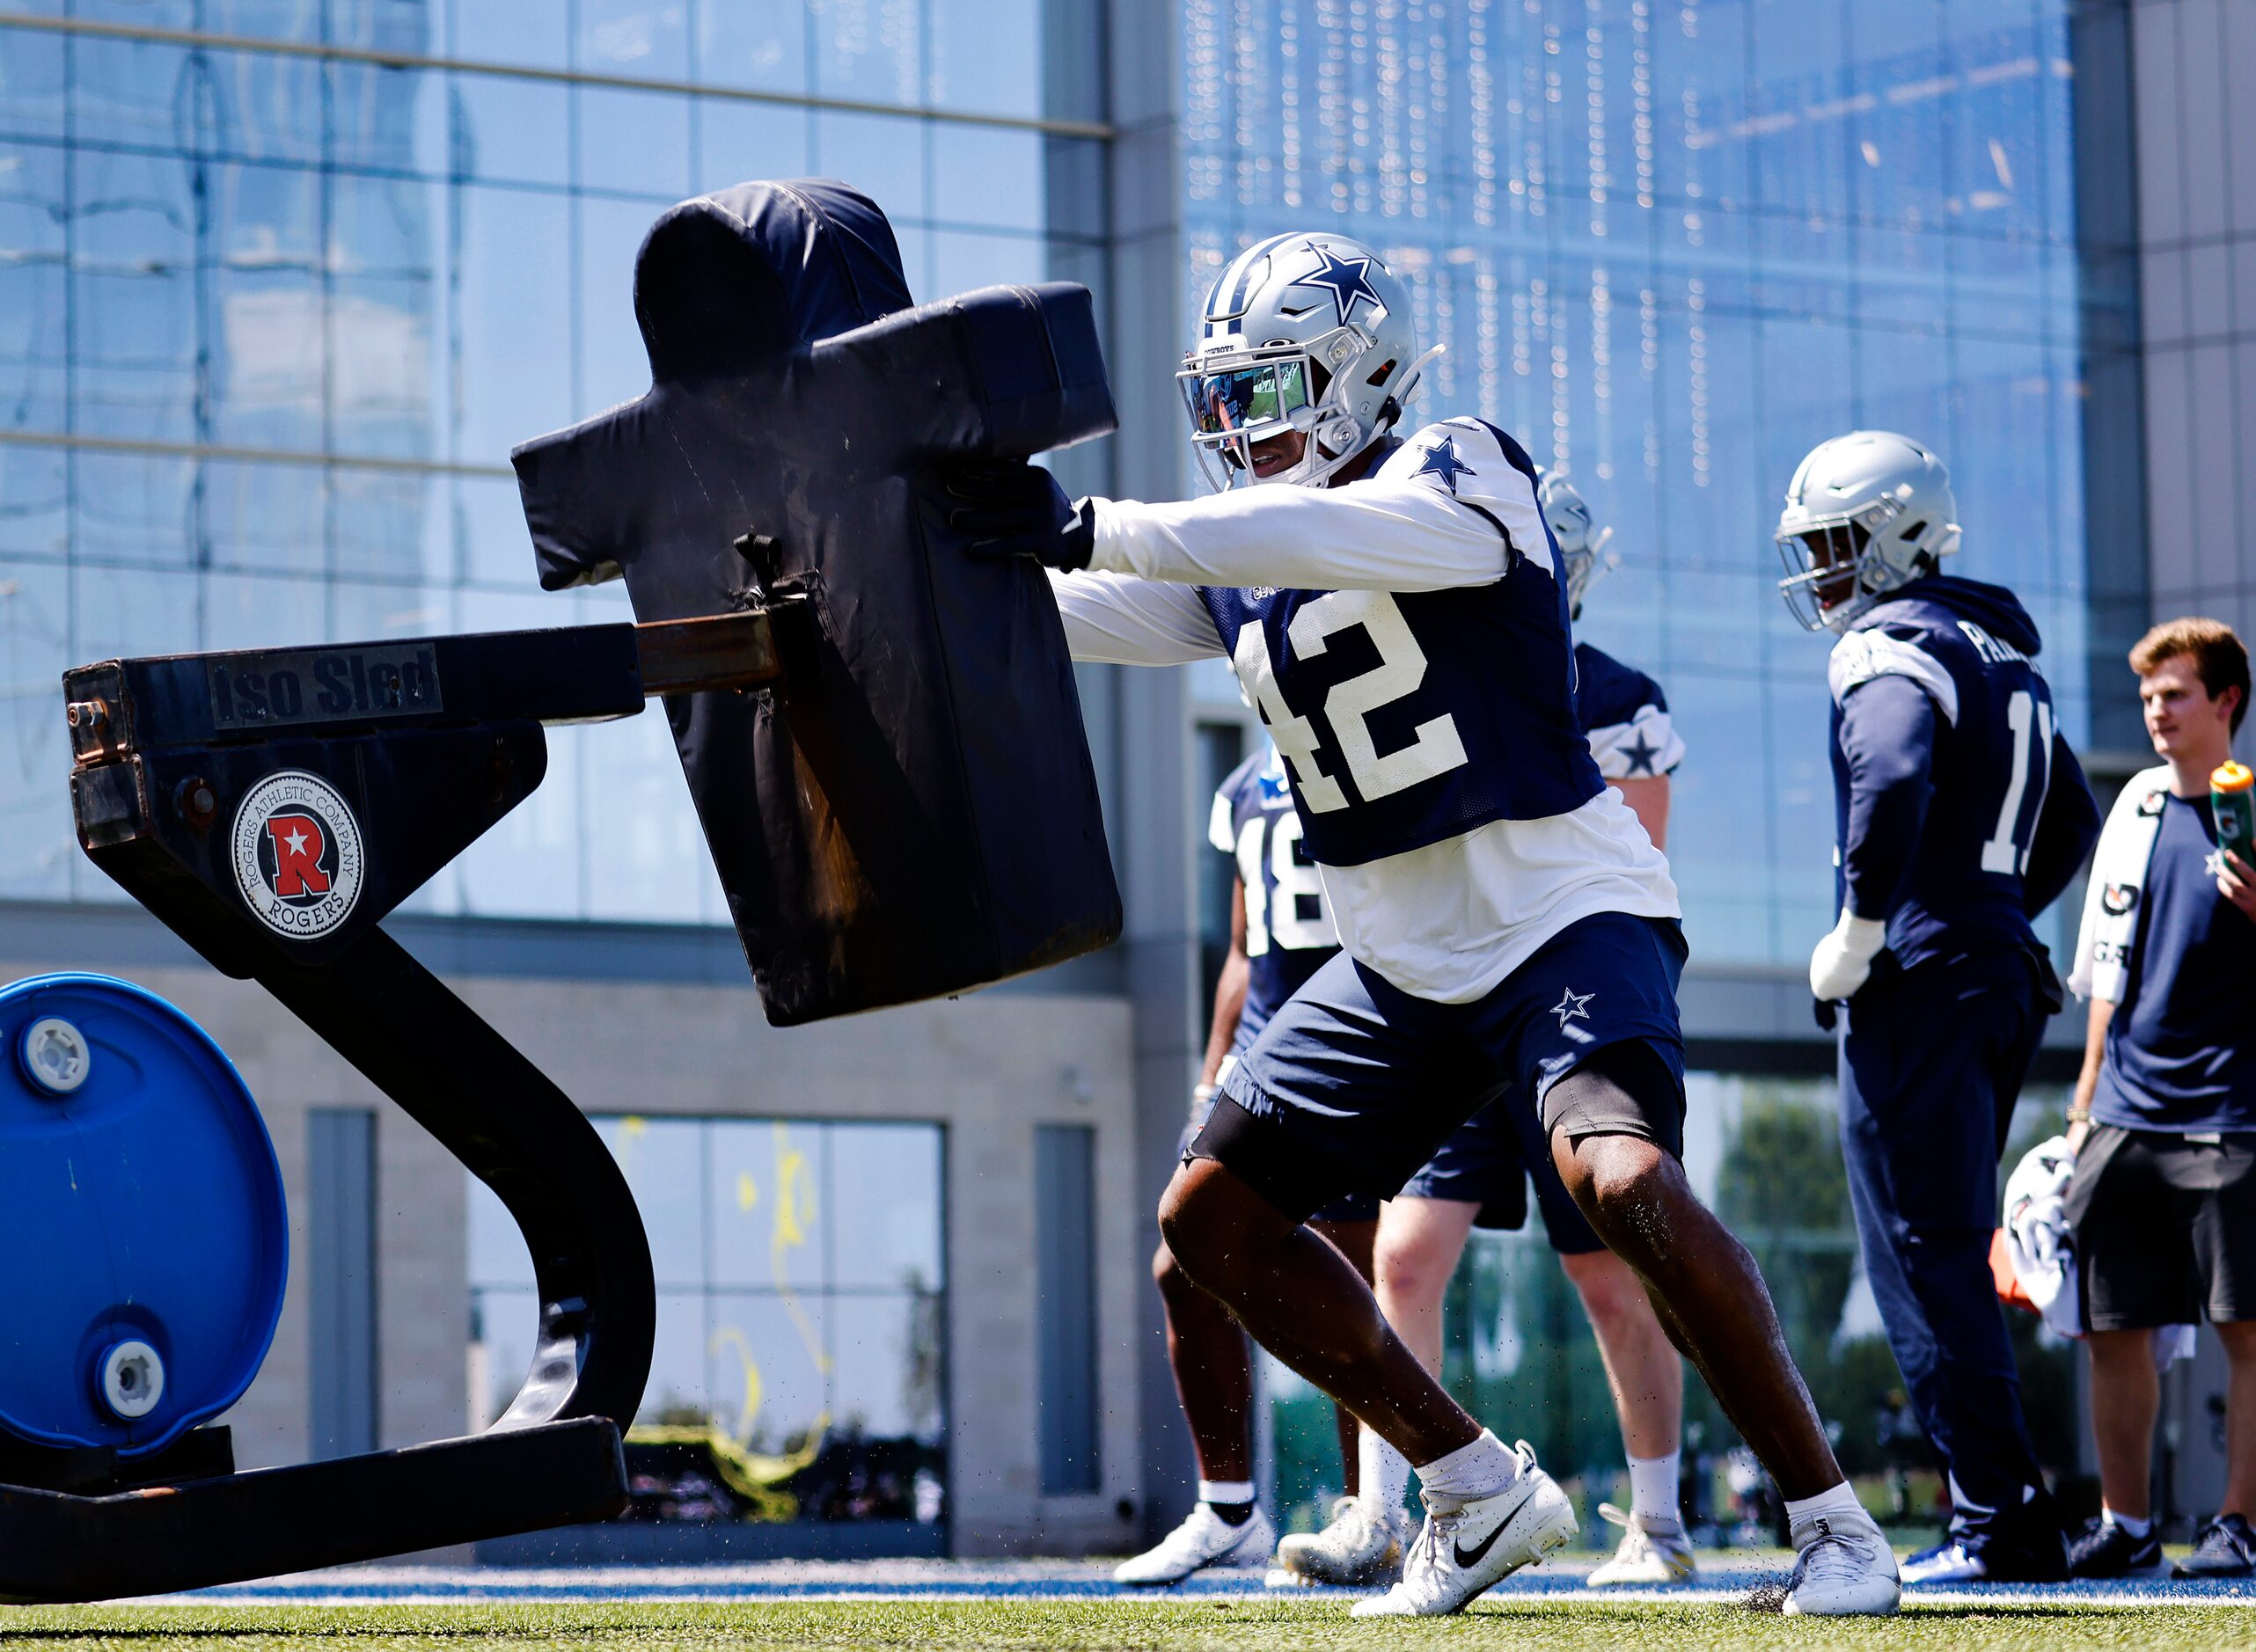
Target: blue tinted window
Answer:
[[1673, 248], [881, 155], [528, 32], [987, 55], [801, 1313], [756, 45], [634, 141], [509, 130], [510, 306], [737, 142], [645, 39]]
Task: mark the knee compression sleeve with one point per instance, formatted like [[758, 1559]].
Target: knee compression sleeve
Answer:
[[1624, 1089]]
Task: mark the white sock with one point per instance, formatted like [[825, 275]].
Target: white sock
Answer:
[[1654, 1483], [1840, 1504], [1479, 1470], [2137, 1528], [1233, 1491], [1382, 1473]]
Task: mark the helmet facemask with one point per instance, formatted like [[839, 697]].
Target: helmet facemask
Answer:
[[1584, 565], [1837, 569], [1239, 399], [1584, 559]]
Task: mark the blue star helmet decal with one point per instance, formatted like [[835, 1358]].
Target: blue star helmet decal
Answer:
[[1348, 281], [1441, 460], [1641, 753]]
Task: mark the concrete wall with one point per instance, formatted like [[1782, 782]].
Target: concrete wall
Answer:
[[989, 1068], [2193, 132], [1155, 818], [2193, 64]]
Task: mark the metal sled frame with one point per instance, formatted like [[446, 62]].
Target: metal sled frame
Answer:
[[438, 738]]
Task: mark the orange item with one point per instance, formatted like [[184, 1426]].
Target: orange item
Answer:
[[2232, 777], [2001, 1275]]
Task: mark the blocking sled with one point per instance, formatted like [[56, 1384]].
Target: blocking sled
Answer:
[[862, 712]]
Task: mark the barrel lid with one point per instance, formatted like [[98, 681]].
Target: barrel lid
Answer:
[[142, 1206]]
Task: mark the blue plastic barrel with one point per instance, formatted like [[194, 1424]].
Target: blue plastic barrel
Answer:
[[142, 1216]]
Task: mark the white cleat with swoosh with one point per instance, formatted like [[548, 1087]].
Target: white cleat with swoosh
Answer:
[[1466, 1548]]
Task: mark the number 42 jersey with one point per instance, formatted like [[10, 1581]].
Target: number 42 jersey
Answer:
[[1404, 638]]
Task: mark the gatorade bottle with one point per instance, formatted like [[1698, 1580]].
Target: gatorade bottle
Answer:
[[2232, 801]]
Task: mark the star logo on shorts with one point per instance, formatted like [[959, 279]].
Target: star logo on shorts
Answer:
[[1572, 1006]]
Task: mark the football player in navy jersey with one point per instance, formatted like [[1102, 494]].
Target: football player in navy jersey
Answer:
[[1280, 932], [1399, 622], [1479, 1177], [1960, 813]]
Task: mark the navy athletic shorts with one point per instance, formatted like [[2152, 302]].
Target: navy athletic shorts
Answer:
[[1489, 1161], [1355, 1085], [1349, 1207]]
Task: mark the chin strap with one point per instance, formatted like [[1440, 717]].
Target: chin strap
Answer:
[[1402, 397]]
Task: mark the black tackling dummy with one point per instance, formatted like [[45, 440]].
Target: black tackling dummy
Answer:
[[872, 816]]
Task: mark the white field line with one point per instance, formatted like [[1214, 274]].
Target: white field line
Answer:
[[973, 1592]]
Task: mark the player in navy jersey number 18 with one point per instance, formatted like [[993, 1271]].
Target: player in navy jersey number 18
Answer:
[[1398, 620], [1960, 813], [1480, 1178], [1280, 932]]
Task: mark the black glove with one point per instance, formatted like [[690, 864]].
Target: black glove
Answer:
[[1006, 507]]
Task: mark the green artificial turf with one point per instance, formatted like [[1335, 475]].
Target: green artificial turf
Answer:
[[1141, 1626]]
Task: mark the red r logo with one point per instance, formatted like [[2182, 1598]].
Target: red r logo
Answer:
[[298, 846]]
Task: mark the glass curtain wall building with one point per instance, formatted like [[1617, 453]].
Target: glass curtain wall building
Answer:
[[800, 1371], [1672, 246], [281, 281]]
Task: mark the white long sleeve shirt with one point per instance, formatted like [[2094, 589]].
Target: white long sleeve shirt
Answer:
[[1449, 920]]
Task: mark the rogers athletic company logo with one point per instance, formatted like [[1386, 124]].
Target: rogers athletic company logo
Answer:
[[298, 854]]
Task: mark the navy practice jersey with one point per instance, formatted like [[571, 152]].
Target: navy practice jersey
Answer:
[[2180, 1047], [1409, 717], [1624, 715], [1959, 811], [1403, 638], [1288, 925]]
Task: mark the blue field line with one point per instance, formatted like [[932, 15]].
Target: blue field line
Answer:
[[973, 1581]]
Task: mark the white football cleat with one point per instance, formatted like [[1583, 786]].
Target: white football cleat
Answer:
[[1654, 1552], [1356, 1549], [1202, 1540], [1949, 1563], [1845, 1569], [1468, 1548]]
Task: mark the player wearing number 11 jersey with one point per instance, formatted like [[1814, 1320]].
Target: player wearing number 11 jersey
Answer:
[[1400, 622], [1961, 814]]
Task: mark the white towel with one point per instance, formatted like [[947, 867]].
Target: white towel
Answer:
[[2113, 900], [2041, 1246], [2038, 1238]]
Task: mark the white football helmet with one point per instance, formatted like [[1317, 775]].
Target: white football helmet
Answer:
[[1866, 513], [1581, 541], [1307, 331]]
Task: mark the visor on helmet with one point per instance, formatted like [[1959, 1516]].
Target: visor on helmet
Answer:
[[1246, 400]]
